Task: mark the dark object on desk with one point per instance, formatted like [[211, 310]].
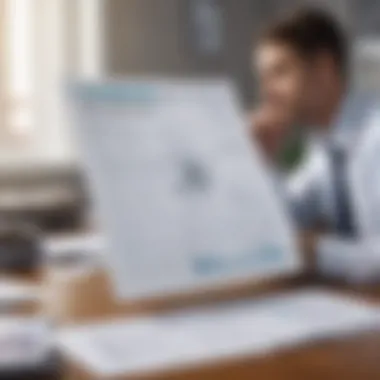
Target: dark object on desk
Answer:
[[20, 251], [51, 369], [50, 197]]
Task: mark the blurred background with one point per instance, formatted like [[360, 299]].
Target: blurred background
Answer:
[[44, 43]]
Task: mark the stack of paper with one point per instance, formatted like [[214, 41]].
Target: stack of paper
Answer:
[[73, 247], [14, 294], [183, 338]]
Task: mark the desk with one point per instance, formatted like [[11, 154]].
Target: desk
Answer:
[[354, 359], [84, 296]]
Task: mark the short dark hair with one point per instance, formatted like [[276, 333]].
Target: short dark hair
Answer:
[[310, 31]]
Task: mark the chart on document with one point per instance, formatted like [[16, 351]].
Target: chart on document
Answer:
[[181, 192]]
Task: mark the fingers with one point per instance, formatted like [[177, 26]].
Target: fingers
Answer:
[[269, 128]]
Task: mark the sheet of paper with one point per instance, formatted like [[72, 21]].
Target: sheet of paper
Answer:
[[251, 327], [183, 196], [73, 247], [24, 341]]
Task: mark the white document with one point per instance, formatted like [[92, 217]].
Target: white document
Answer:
[[184, 199], [250, 327], [24, 342]]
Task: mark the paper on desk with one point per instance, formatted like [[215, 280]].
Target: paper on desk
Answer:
[[71, 245], [183, 196], [251, 327], [24, 341]]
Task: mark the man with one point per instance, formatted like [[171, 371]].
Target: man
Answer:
[[302, 63]]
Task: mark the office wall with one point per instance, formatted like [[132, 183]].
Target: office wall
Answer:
[[145, 36], [154, 36]]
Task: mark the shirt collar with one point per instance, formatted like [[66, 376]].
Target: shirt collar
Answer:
[[339, 131]]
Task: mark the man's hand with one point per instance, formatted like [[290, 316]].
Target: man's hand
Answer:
[[269, 127]]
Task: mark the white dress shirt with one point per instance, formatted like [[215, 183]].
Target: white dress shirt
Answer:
[[309, 190]]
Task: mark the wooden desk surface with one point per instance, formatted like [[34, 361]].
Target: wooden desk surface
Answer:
[[354, 359], [85, 296]]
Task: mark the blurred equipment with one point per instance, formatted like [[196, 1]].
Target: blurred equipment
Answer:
[[49, 198], [20, 251], [27, 350]]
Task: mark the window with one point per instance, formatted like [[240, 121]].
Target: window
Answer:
[[366, 64], [19, 57], [42, 43]]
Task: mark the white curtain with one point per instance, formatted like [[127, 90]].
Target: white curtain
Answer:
[[43, 44]]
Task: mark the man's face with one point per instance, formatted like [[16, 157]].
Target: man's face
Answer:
[[286, 81]]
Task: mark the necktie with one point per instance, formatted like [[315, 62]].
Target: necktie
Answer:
[[341, 189]]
